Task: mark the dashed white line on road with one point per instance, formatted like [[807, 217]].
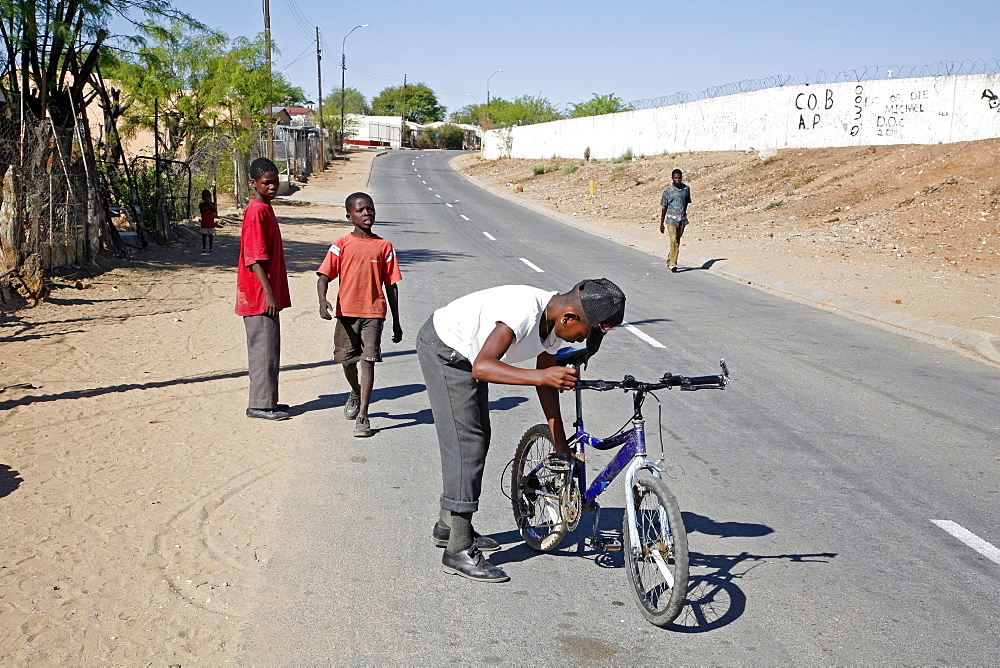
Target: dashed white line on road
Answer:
[[464, 217], [429, 188], [448, 204], [533, 266], [642, 335], [987, 549], [436, 195], [490, 236], [422, 181]]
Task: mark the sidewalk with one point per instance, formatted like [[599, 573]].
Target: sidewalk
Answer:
[[136, 496]]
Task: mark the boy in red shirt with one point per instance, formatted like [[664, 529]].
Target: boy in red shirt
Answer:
[[364, 262], [262, 291]]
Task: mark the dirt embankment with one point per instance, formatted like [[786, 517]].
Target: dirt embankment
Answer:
[[913, 228]]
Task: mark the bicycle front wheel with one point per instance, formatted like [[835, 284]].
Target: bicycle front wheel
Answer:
[[658, 566], [536, 492]]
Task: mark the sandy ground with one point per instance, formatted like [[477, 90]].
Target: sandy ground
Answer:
[[134, 495], [135, 498]]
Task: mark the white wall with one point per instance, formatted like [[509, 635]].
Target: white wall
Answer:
[[931, 110]]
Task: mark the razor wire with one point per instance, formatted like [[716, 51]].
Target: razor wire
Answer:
[[863, 73]]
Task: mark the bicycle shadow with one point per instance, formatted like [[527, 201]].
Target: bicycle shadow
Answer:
[[714, 599]]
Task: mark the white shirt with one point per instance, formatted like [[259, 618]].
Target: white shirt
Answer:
[[465, 323]]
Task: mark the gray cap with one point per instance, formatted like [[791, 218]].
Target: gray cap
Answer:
[[604, 305]]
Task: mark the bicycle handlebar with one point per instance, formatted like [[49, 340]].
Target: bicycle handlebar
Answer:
[[669, 380]]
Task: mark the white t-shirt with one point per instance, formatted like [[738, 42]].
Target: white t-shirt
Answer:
[[465, 324]]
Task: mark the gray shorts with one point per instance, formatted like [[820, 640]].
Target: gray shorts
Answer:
[[356, 339]]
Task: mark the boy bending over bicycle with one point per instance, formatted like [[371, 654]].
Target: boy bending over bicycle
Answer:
[[473, 341]]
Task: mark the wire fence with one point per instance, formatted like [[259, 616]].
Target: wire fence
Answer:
[[48, 206], [864, 73]]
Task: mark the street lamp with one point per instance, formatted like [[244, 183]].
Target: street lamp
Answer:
[[343, 71], [488, 86]]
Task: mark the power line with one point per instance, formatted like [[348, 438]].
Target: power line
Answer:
[[304, 26]]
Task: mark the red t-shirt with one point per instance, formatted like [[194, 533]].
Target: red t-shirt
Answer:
[[363, 265], [260, 241], [207, 214]]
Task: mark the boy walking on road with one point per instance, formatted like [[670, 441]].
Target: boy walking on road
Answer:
[[365, 263], [474, 341], [262, 291], [673, 211]]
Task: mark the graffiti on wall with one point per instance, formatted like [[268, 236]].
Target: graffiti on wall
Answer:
[[994, 101], [809, 106], [900, 111]]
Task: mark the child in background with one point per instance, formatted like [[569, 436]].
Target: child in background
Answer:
[[208, 213]]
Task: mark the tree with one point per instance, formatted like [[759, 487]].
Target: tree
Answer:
[[469, 114], [451, 137], [194, 79], [354, 103], [421, 103], [525, 110], [52, 47], [597, 105]]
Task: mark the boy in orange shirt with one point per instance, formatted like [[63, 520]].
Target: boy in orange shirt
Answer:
[[364, 262]]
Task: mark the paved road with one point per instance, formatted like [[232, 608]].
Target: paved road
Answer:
[[809, 487]]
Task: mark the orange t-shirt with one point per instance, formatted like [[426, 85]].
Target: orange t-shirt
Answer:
[[363, 265]]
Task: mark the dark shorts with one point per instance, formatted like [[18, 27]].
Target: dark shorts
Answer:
[[357, 339]]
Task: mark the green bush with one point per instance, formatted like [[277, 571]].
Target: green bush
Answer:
[[624, 157], [544, 169], [586, 154], [451, 137], [571, 169], [773, 205]]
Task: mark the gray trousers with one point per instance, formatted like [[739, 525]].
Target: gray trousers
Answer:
[[263, 359], [460, 405]]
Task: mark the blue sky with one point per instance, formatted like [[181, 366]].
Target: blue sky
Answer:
[[567, 51]]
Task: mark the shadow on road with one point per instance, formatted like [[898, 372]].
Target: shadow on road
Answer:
[[714, 599]]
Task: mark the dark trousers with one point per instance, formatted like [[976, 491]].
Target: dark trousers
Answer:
[[460, 405], [263, 359]]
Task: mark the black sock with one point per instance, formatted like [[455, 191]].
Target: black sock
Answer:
[[461, 532]]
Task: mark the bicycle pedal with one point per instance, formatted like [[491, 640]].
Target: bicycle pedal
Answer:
[[606, 544], [557, 463]]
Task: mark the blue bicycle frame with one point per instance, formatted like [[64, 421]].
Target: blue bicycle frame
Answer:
[[631, 458]]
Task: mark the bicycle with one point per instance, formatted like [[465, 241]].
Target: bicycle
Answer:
[[549, 493]]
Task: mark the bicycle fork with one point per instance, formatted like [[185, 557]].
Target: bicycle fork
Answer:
[[640, 551]]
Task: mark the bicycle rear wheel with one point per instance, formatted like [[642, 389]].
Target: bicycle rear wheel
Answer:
[[658, 567], [536, 492]]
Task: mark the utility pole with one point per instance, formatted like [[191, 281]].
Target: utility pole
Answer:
[[319, 84], [402, 115], [270, 111]]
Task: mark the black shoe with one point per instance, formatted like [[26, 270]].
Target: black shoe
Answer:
[[281, 407], [442, 533], [266, 414], [470, 563]]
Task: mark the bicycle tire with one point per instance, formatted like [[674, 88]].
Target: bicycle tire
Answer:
[[535, 492], [661, 532]]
